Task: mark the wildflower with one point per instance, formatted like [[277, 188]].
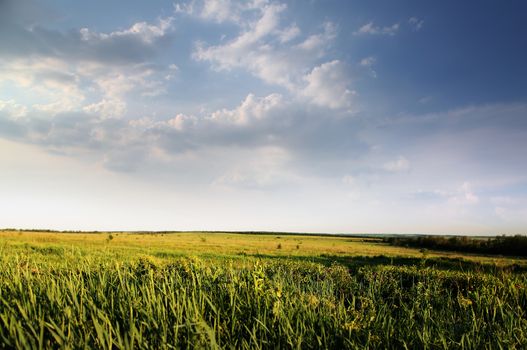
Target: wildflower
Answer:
[[278, 291], [464, 302], [375, 338], [313, 300], [352, 326]]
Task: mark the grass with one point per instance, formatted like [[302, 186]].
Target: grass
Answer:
[[219, 290]]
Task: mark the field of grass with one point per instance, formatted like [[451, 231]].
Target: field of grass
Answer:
[[225, 290]]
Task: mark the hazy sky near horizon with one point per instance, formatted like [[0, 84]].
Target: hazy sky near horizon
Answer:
[[319, 116]]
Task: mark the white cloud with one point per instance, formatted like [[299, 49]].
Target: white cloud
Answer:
[[368, 63], [58, 86], [145, 32], [85, 91], [327, 86], [252, 108], [400, 164], [416, 23], [370, 28], [13, 109], [112, 108], [122, 144], [56, 107], [234, 53], [172, 71], [218, 11], [316, 43], [50, 81], [181, 122], [264, 49], [143, 123], [89, 71], [289, 33], [116, 82]]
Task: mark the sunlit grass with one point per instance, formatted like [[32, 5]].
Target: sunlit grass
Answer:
[[223, 244], [219, 290]]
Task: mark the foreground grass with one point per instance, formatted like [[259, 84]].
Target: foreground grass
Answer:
[[92, 291]]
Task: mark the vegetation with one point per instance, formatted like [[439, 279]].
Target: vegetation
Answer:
[[503, 245], [80, 290]]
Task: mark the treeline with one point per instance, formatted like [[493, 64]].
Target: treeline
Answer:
[[501, 245]]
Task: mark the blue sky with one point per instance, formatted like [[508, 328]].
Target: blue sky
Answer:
[[318, 116]]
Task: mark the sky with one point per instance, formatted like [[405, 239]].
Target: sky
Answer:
[[337, 116]]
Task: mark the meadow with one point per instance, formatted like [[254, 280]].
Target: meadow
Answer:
[[187, 290]]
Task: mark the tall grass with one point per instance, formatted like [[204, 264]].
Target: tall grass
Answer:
[[195, 303]]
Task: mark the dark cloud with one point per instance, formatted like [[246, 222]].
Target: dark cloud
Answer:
[[22, 34]]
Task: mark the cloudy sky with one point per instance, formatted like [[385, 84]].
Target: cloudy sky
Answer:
[[319, 116]]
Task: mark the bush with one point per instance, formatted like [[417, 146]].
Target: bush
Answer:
[[502, 245]]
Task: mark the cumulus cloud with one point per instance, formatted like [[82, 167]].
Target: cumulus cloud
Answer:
[[371, 29], [182, 122], [234, 53], [52, 80], [327, 85], [86, 88], [66, 86], [107, 108], [81, 70], [124, 144], [218, 11], [82, 97], [252, 108], [279, 55]]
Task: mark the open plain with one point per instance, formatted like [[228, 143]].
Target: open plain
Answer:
[[230, 290]]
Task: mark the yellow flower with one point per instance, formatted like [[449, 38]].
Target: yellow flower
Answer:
[[313, 300], [464, 302], [352, 326]]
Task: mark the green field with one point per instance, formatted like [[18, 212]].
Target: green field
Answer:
[[226, 290]]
